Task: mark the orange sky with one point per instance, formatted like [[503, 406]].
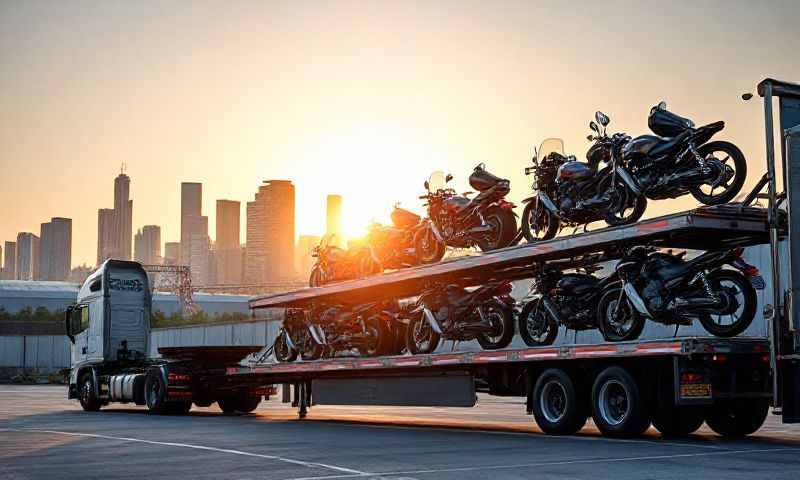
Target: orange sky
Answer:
[[358, 98]]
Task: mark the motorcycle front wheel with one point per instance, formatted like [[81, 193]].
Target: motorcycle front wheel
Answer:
[[739, 309], [427, 247], [283, 353], [727, 156], [616, 317], [316, 279], [627, 208], [381, 341], [501, 317], [536, 327], [538, 223], [421, 338]]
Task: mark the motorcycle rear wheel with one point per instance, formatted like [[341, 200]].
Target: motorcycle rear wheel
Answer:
[[544, 226], [536, 327], [502, 316], [504, 225], [730, 190], [618, 325], [747, 304], [421, 338], [382, 342]]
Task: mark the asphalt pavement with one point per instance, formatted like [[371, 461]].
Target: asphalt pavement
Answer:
[[44, 435]]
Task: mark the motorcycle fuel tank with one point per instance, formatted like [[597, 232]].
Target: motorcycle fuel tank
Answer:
[[575, 171], [575, 284], [456, 203], [402, 218]]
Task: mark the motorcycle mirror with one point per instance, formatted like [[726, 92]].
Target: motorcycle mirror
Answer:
[[747, 96], [594, 127], [601, 118], [448, 178], [589, 137], [662, 105], [427, 185]]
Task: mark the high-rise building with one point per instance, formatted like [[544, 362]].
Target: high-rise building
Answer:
[[147, 245], [55, 249], [172, 252], [304, 260], [27, 256], [198, 258], [191, 213], [10, 261], [115, 226], [334, 218], [227, 249], [270, 233]]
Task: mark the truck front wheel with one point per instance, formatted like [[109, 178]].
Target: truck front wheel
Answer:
[[87, 395], [155, 393]]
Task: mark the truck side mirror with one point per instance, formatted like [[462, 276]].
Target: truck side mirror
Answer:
[[68, 324]]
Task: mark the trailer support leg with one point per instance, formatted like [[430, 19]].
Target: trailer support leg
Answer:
[[302, 394]]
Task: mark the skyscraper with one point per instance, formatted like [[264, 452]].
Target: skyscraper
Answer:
[[270, 233], [227, 249], [27, 256], [147, 245], [334, 218], [55, 249], [115, 226], [191, 216], [172, 252], [10, 261]]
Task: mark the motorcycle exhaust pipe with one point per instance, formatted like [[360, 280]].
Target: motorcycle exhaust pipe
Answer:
[[431, 318], [689, 303]]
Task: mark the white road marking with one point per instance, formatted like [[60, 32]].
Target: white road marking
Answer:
[[554, 463], [349, 471]]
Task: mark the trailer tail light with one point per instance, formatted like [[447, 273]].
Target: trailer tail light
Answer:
[[689, 377], [719, 359], [765, 358], [178, 377]]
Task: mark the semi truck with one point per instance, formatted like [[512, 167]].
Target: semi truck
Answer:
[[109, 328], [674, 383]]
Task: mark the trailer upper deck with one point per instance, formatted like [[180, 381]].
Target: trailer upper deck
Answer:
[[705, 228]]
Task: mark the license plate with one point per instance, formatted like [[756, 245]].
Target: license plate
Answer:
[[757, 281], [696, 390]]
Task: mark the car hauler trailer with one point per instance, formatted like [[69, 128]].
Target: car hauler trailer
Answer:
[[675, 383]]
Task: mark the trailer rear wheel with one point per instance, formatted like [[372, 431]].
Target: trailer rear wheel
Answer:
[[738, 418], [556, 407], [240, 404], [619, 408], [86, 395], [155, 393], [678, 421]]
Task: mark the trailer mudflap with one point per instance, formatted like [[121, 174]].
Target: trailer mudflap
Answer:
[[454, 389], [790, 373]]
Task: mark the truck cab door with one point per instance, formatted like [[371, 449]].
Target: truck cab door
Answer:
[[80, 348]]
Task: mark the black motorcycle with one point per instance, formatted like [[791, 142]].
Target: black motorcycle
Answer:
[[569, 299], [678, 159], [359, 328], [298, 336], [570, 193], [451, 312], [487, 220], [668, 289]]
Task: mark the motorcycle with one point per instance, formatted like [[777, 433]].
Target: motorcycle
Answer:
[[392, 247], [487, 221], [678, 159], [570, 193], [335, 264], [360, 328], [670, 290], [569, 299], [451, 312], [298, 337]]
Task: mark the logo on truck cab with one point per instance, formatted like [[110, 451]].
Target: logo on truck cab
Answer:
[[125, 285]]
